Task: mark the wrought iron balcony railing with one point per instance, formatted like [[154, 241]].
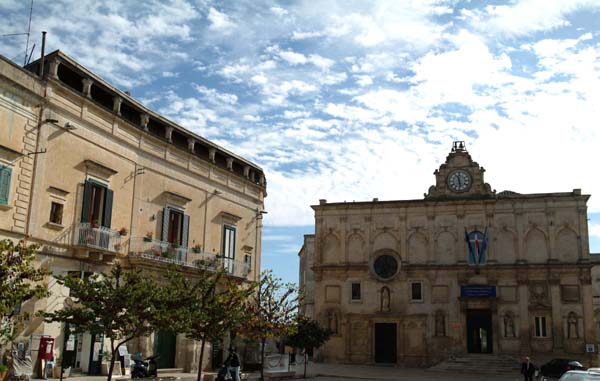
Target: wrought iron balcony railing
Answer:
[[165, 252], [96, 237]]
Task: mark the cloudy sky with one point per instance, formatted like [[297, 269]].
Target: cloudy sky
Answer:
[[350, 100]]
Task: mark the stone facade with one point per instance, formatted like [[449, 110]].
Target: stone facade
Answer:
[[465, 269], [306, 276], [92, 175]]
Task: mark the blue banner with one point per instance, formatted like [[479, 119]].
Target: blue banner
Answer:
[[478, 291]]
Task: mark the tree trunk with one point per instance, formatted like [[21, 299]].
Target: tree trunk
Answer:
[[113, 350], [262, 360], [305, 360], [200, 360]]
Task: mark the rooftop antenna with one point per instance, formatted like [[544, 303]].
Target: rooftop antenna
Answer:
[[28, 33]]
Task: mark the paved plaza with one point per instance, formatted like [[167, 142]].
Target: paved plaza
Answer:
[[337, 372]]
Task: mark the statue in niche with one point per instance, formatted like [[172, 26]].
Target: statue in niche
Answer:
[[332, 322], [509, 325], [572, 326], [440, 324], [385, 300]]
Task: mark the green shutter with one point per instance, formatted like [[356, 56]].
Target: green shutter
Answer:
[[165, 225], [87, 195], [108, 203], [185, 230], [5, 174]]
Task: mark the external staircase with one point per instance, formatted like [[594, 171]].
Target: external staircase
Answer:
[[479, 364]]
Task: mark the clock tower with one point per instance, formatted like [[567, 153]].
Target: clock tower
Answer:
[[459, 177]]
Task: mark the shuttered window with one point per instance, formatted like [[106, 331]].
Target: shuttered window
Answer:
[[228, 242], [97, 204], [5, 175], [175, 227]]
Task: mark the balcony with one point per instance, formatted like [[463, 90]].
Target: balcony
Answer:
[[96, 238], [155, 251]]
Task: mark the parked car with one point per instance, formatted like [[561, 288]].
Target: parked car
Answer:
[[557, 367], [581, 375]]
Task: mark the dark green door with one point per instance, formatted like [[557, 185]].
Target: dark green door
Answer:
[[97, 346], [164, 345], [217, 355], [479, 331], [385, 343]]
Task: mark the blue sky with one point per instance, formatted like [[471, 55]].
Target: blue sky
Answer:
[[351, 100]]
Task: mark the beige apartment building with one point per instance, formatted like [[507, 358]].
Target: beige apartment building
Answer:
[[464, 270], [92, 175]]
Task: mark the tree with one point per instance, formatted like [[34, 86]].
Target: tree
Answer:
[[309, 334], [120, 305], [19, 282], [273, 308], [211, 305]]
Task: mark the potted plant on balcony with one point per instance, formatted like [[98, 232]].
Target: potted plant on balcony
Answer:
[[148, 237], [95, 224], [197, 249], [118, 247], [123, 231]]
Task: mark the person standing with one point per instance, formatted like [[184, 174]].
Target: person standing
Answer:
[[233, 361], [527, 369]]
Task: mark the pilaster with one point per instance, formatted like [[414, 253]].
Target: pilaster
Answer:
[[523, 289], [557, 321]]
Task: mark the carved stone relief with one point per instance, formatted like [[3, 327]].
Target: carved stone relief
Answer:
[[538, 294]]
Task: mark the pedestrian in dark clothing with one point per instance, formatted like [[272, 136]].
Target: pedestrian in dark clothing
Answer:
[[233, 361], [527, 369]]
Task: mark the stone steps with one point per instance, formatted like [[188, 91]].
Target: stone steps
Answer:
[[479, 364]]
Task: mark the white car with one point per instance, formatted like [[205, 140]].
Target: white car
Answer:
[[592, 374]]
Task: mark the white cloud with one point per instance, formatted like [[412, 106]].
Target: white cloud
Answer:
[[214, 96], [295, 114], [293, 58], [220, 21], [529, 16], [279, 11]]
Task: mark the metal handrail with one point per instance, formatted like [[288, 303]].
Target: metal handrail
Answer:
[[165, 252], [96, 237]]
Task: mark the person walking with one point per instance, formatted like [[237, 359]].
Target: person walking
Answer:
[[527, 369], [233, 361]]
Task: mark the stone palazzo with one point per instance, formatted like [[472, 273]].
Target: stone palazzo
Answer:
[[464, 270]]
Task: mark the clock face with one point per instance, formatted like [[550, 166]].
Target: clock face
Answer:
[[459, 181]]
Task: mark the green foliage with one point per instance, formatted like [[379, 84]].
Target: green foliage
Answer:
[[120, 305], [210, 304], [19, 282], [273, 309], [309, 334]]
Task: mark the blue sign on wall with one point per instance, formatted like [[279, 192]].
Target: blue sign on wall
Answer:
[[478, 291]]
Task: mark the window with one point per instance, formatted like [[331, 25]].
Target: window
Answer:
[[540, 326], [228, 247], [97, 204], [416, 292], [228, 242], [356, 291], [248, 260], [56, 213], [5, 174], [385, 266], [175, 228]]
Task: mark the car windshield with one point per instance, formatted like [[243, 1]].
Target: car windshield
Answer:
[[575, 363]]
